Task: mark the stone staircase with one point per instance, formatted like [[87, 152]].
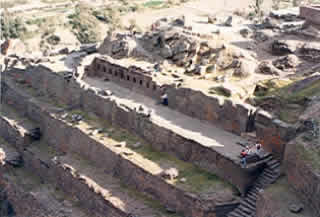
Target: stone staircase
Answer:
[[269, 175]]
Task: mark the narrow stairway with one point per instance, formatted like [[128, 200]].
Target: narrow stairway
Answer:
[[247, 207]]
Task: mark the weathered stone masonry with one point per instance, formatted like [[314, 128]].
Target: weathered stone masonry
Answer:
[[273, 133], [160, 138], [68, 138]]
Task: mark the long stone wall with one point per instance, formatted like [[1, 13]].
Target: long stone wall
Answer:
[[160, 138], [302, 177], [67, 138], [230, 116]]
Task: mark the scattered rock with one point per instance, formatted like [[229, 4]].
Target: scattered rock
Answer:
[[76, 118], [282, 47], [245, 69], [269, 23], [260, 36], [64, 51], [228, 21], [311, 51], [183, 180], [180, 21], [245, 32], [287, 62], [296, 208], [137, 145], [5, 47], [170, 174], [268, 69], [166, 51], [212, 19], [121, 144]]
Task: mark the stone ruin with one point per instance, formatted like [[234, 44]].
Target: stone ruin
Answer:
[[103, 142]]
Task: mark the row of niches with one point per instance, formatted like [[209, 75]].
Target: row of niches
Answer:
[[125, 76]]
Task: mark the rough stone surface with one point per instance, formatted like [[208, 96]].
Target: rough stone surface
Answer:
[[281, 47], [288, 62], [268, 69]]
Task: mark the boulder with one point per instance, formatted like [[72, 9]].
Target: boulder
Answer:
[[228, 21], [296, 208], [287, 62], [282, 47], [170, 174], [166, 51], [64, 51], [260, 36], [245, 32], [180, 21], [245, 69], [268, 69], [311, 51], [5, 47], [212, 19], [269, 23]]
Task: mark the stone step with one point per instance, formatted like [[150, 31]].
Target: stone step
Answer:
[[234, 214], [274, 166], [245, 209], [249, 206], [128, 163], [272, 162]]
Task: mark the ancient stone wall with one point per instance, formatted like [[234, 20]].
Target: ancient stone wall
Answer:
[[311, 13], [67, 138], [161, 139], [273, 133], [131, 77], [302, 177]]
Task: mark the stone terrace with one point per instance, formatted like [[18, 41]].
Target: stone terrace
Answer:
[[43, 114]]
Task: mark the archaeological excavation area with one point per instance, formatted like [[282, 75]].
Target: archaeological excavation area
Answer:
[[84, 132]]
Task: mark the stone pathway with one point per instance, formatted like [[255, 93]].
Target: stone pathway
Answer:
[[200, 131]]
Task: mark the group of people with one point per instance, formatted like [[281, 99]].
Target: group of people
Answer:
[[249, 151]]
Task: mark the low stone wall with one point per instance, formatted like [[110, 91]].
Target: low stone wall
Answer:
[[67, 138], [311, 13], [162, 139], [302, 177]]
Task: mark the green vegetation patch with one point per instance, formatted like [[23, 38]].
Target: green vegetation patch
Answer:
[[153, 4], [197, 180], [222, 91]]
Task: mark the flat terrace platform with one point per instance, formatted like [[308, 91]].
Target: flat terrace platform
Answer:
[[200, 131]]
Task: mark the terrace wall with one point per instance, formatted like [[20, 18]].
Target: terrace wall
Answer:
[[160, 138], [70, 139], [230, 116]]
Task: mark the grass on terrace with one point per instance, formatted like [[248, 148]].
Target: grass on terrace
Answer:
[[197, 179]]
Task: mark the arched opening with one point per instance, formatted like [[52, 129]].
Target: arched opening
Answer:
[[128, 77], [141, 83], [134, 80], [122, 75], [154, 87], [115, 73], [104, 69], [147, 85]]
